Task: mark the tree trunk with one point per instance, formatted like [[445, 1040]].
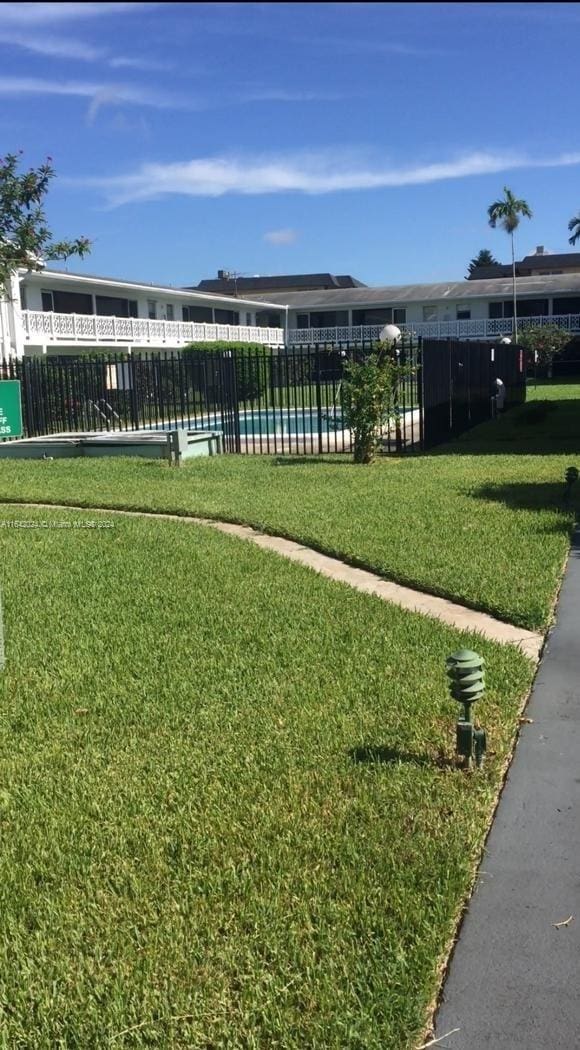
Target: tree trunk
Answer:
[[515, 298]]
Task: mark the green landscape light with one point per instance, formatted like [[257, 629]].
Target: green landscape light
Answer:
[[465, 669]]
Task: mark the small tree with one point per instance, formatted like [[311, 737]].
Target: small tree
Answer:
[[25, 238], [370, 398], [544, 343], [483, 258], [574, 227]]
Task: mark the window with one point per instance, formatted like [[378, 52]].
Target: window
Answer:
[[169, 312], [248, 320], [67, 302], [151, 309], [567, 306], [495, 311], [227, 317], [302, 321], [382, 315], [400, 316], [112, 306], [264, 319], [198, 314], [429, 313], [463, 314]]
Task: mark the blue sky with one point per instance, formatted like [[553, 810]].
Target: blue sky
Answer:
[[279, 138]]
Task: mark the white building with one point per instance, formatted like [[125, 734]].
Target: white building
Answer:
[[463, 309], [55, 312]]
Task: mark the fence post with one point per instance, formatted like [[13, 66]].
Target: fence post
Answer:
[[319, 400]]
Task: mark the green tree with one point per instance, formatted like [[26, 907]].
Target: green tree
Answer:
[[483, 258], [25, 238], [370, 398], [544, 342], [507, 212], [574, 227]]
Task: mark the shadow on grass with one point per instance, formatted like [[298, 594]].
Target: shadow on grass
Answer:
[[377, 755], [343, 459], [542, 495], [537, 428]]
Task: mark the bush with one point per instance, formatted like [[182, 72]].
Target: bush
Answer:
[[370, 398], [253, 365]]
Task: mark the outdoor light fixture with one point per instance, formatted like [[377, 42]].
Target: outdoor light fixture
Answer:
[[505, 340], [390, 334], [570, 478], [465, 669]]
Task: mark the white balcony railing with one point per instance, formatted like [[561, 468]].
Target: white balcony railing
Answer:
[[486, 328], [49, 328]]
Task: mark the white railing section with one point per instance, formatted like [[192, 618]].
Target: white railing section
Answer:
[[48, 327], [486, 328]]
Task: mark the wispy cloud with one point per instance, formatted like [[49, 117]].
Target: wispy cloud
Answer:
[[311, 173], [150, 65], [102, 94], [99, 93], [36, 14], [23, 27], [286, 236]]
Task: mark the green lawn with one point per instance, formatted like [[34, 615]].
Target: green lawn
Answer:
[[481, 522], [228, 817]]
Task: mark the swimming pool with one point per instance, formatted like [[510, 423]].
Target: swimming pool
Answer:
[[271, 422]]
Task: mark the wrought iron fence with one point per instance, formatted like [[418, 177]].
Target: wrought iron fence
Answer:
[[262, 400]]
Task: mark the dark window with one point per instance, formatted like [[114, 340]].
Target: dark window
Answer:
[[227, 317], [152, 309], [495, 310], [67, 302], [463, 315], [169, 314], [570, 305], [369, 316], [400, 316], [264, 319], [302, 321], [199, 314], [112, 306], [532, 307]]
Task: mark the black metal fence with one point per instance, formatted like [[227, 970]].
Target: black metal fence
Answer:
[[290, 401], [259, 400], [459, 384]]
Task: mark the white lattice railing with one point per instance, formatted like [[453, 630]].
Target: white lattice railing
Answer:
[[48, 327], [485, 328]]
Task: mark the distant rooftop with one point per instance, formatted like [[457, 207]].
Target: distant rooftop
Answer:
[[540, 261], [231, 283]]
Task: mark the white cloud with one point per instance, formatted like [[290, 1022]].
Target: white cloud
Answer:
[[31, 14], [312, 173], [285, 236], [150, 65], [52, 46], [100, 94]]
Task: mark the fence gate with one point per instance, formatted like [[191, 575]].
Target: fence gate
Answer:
[[459, 384]]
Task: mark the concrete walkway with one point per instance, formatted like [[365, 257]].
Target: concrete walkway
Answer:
[[530, 642], [514, 978]]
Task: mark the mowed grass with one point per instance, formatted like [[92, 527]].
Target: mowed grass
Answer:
[[481, 521], [227, 812]]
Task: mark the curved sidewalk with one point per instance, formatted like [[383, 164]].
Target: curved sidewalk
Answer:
[[464, 619], [514, 978]]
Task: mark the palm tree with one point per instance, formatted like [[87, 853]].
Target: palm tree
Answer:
[[507, 212], [574, 227]]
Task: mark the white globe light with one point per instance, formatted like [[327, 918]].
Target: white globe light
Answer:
[[506, 339], [390, 334]]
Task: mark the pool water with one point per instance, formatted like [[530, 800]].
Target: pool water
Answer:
[[273, 421]]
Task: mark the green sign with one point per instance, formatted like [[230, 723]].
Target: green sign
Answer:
[[10, 409]]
